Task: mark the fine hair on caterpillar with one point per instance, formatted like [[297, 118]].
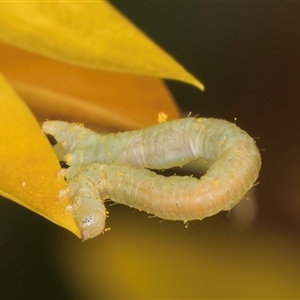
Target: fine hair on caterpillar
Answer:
[[113, 167]]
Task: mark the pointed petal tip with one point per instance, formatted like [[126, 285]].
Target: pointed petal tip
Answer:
[[200, 86]]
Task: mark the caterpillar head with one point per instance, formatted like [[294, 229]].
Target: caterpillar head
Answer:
[[90, 220]]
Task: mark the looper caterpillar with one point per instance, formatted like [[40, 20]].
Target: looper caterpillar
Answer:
[[112, 166]]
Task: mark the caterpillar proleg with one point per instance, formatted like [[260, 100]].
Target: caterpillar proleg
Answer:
[[113, 166]]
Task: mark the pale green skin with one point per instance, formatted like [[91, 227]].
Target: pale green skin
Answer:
[[114, 165]]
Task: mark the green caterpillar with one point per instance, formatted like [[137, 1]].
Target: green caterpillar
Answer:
[[114, 167]]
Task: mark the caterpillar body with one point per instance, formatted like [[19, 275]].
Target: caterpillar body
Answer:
[[114, 166], [160, 146]]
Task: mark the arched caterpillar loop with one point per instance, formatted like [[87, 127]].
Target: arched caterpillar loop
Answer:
[[160, 146], [113, 167]]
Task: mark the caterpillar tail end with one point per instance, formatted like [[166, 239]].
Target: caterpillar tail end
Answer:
[[54, 127]]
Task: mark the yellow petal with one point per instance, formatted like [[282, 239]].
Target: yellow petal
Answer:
[[100, 99], [28, 165], [92, 34]]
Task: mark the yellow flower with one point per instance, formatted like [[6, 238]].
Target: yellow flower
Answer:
[[77, 61]]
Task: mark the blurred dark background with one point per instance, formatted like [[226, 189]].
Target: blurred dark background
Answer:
[[247, 56]]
